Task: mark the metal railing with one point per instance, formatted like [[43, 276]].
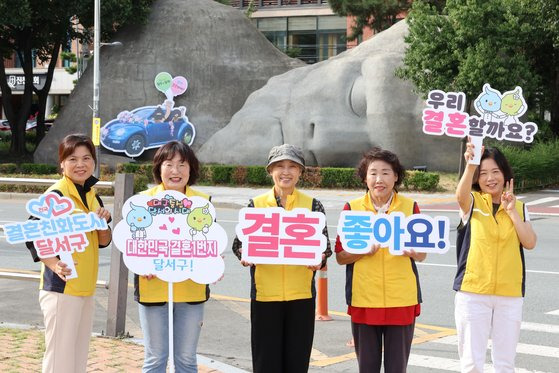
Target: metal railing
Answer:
[[46, 182]]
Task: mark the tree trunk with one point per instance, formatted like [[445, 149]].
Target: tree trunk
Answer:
[[40, 129], [19, 120], [7, 100], [554, 123], [43, 93], [23, 114]]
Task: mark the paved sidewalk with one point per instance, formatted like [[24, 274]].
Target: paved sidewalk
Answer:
[[21, 351]]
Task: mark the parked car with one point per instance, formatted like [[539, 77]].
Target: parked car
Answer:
[[30, 125], [133, 132], [4, 125]]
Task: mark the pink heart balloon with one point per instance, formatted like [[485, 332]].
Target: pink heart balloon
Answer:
[[179, 85]]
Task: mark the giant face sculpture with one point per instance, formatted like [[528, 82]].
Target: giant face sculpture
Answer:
[[335, 110]]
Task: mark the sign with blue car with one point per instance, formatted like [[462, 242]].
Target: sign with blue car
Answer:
[[147, 127]]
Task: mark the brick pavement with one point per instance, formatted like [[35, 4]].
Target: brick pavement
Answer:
[[21, 351]]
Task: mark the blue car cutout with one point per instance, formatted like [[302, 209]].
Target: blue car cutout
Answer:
[[147, 127]]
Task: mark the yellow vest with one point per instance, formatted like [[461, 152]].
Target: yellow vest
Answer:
[[383, 280], [88, 260], [490, 256], [279, 282], [156, 290]]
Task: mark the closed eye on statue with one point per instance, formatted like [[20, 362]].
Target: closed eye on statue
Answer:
[[357, 98]]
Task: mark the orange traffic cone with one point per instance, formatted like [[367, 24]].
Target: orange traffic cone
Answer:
[[322, 295]]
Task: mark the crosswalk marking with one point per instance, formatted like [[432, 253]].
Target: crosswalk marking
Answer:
[[535, 327], [441, 363], [555, 312], [542, 200], [521, 348]]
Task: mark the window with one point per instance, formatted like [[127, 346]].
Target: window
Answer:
[[331, 36], [18, 62], [311, 39], [275, 30]]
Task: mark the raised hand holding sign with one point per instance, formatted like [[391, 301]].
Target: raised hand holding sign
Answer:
[[498, 117]]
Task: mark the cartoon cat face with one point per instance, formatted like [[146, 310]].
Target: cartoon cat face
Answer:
[[199, 218], [489, 100], [513, 102], [139, 216]]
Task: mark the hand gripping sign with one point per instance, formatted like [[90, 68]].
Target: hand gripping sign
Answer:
[[172, 236], [57, 232], [498, 117], [277, 236], [360, 230]]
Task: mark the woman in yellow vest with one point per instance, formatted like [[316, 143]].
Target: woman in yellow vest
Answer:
[[68, 304], [490, 278], [282, 308], [382, 290], [175, 167]]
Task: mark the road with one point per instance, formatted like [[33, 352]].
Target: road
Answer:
[[226, 333]]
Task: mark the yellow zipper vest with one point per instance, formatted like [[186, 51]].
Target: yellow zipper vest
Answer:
[[490, 256], [278, 282], [156, 290], [383, 280], [88, 260]]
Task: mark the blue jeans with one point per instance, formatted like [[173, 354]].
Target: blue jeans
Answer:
[[187, 325]]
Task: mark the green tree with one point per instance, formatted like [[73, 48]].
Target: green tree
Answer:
[[38, 29], [375, 14], [503, 42]]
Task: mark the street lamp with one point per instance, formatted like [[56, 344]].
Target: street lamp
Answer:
[[96, 124]]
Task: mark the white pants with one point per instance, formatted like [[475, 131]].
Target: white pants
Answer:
[[68, 323], [480, 316]]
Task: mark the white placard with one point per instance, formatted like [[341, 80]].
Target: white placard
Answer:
[[172, 236]]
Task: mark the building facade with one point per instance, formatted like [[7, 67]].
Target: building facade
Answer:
[[61, 86], [306, 29]]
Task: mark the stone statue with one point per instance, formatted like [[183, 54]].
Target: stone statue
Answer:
[[335, 110], [216, 47]]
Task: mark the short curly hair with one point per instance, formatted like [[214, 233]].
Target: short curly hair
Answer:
[[378, 154], [168, 151]]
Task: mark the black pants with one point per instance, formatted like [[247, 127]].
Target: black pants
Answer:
[[282, 335], [368, 347]]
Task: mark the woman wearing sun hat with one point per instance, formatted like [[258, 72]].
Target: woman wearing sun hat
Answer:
[[283, 296]]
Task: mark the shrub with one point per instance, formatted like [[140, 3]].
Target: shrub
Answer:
[[339, 178], [205, 174], [140, 183], [420, 180], [144, 169], [311, 178], [221, 174], [8, 168], [536, 167], [257, 175], [38, 168], [127, 168], [239, 175]]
